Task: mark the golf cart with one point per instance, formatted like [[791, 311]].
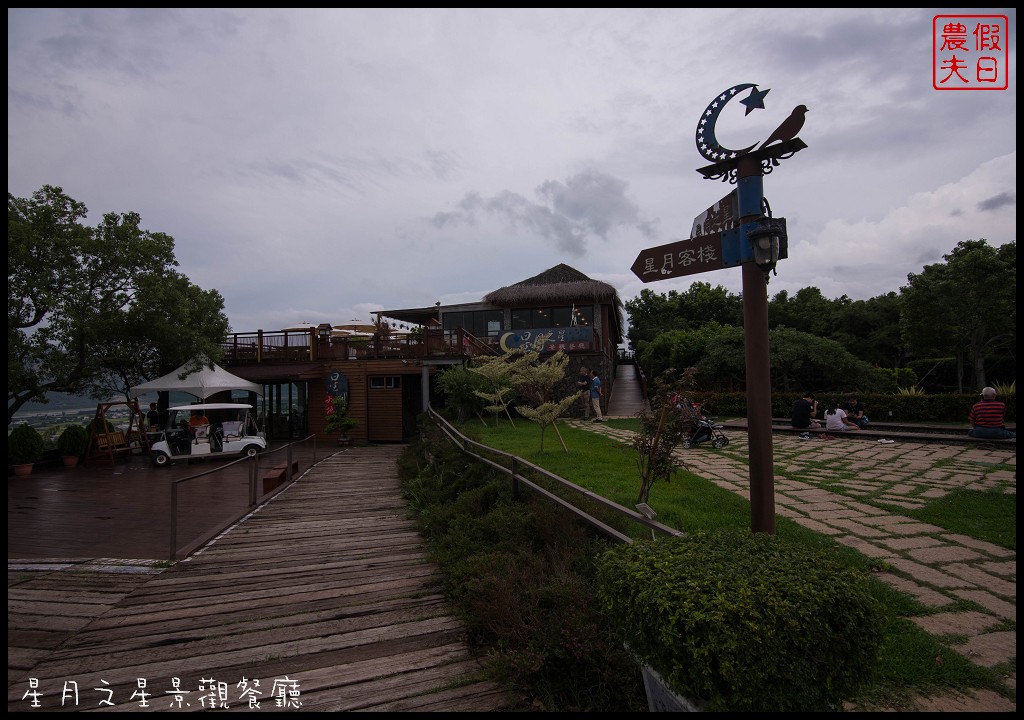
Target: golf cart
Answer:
[[207, 430]]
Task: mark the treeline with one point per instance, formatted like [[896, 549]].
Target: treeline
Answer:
[[951, 328]]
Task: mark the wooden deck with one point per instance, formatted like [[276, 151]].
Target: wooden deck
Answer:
[[325, 591]]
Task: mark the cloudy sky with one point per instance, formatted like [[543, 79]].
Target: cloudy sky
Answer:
[[318, 165]]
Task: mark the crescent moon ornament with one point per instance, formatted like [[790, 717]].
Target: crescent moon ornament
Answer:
[[707, 142]]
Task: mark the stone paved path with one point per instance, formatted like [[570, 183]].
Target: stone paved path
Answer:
[[832, 487]]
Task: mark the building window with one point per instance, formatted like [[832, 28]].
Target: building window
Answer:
[[481, 323], [561, 317], [584, 314], [520, 319], [555, 317], [389, 382]]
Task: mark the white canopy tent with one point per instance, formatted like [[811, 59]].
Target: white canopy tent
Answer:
[[203, 383]]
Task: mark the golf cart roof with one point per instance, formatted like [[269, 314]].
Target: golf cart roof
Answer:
[[211, 406]]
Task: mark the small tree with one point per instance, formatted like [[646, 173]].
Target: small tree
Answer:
[[462, 389], [662, 428], [498, 371], [536, 382]]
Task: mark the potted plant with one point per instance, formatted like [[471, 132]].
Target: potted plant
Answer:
[[72, 443], [336, 407], [24, 448]]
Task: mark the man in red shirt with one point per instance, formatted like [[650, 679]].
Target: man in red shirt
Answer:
[[986, 418]]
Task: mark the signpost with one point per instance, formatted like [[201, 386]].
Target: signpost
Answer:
[[720, 216], [684, 257], [735, 232]]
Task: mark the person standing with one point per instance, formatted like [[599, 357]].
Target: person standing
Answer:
[[583, 383], [987, 418], [804, 411], [153, 418], [596, 393]]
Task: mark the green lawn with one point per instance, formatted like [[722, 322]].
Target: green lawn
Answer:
[[912, 660]]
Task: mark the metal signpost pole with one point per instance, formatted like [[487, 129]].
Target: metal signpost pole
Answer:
[[758, 364], [736, 231]]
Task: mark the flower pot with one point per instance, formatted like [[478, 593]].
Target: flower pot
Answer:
[[24, 469], [70, 460]]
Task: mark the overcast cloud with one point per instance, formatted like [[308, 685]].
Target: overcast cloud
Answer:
[[317, 165]]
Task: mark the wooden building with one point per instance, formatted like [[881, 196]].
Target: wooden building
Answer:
[[389, 375]]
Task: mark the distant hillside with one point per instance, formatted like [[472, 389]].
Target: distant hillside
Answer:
[[63, 402], [59, 401]]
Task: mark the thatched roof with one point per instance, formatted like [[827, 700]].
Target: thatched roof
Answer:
[[560, 284]]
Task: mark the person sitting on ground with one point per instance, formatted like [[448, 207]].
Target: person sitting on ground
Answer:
[[854, 409], [836, 419], [805, 409], [986, 418]]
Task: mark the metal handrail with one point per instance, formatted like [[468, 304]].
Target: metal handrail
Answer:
[[516, 464], [253, 501]]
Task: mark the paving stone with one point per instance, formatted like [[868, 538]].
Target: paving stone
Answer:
[[987, 600], [943, 554], [971, 622]]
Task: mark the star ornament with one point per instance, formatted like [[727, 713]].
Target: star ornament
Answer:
[[755, 100], [707, 143]]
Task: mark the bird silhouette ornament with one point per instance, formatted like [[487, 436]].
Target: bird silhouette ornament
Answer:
[[789, 127]]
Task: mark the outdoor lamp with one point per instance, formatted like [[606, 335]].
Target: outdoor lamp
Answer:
[[769, 242], [323, 331]]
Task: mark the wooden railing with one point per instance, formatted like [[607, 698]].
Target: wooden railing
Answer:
[[304, 346], [515, 466]]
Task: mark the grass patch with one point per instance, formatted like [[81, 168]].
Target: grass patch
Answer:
[[989, 515], [912, 661]]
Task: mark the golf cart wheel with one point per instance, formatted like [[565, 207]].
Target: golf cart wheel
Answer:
[[720, 442], [252, 451], [159, 459], [685, 443]]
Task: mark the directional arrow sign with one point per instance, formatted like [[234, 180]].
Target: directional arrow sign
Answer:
[[685, 257]]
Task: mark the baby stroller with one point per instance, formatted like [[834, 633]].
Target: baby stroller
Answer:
[[704, 428]]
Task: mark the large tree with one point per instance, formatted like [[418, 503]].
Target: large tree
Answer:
[[965, 307], [651, 314], [97, 310]]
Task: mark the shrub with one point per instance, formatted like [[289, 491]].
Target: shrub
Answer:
[[744, 622], [521, 575], [73, 440], [95, 423], [338, 419], [909, 391], [24, 445], [1005, 389], [460, 388]]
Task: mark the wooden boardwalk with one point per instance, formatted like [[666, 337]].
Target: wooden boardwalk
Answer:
[[627, 398], [323, 595]]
